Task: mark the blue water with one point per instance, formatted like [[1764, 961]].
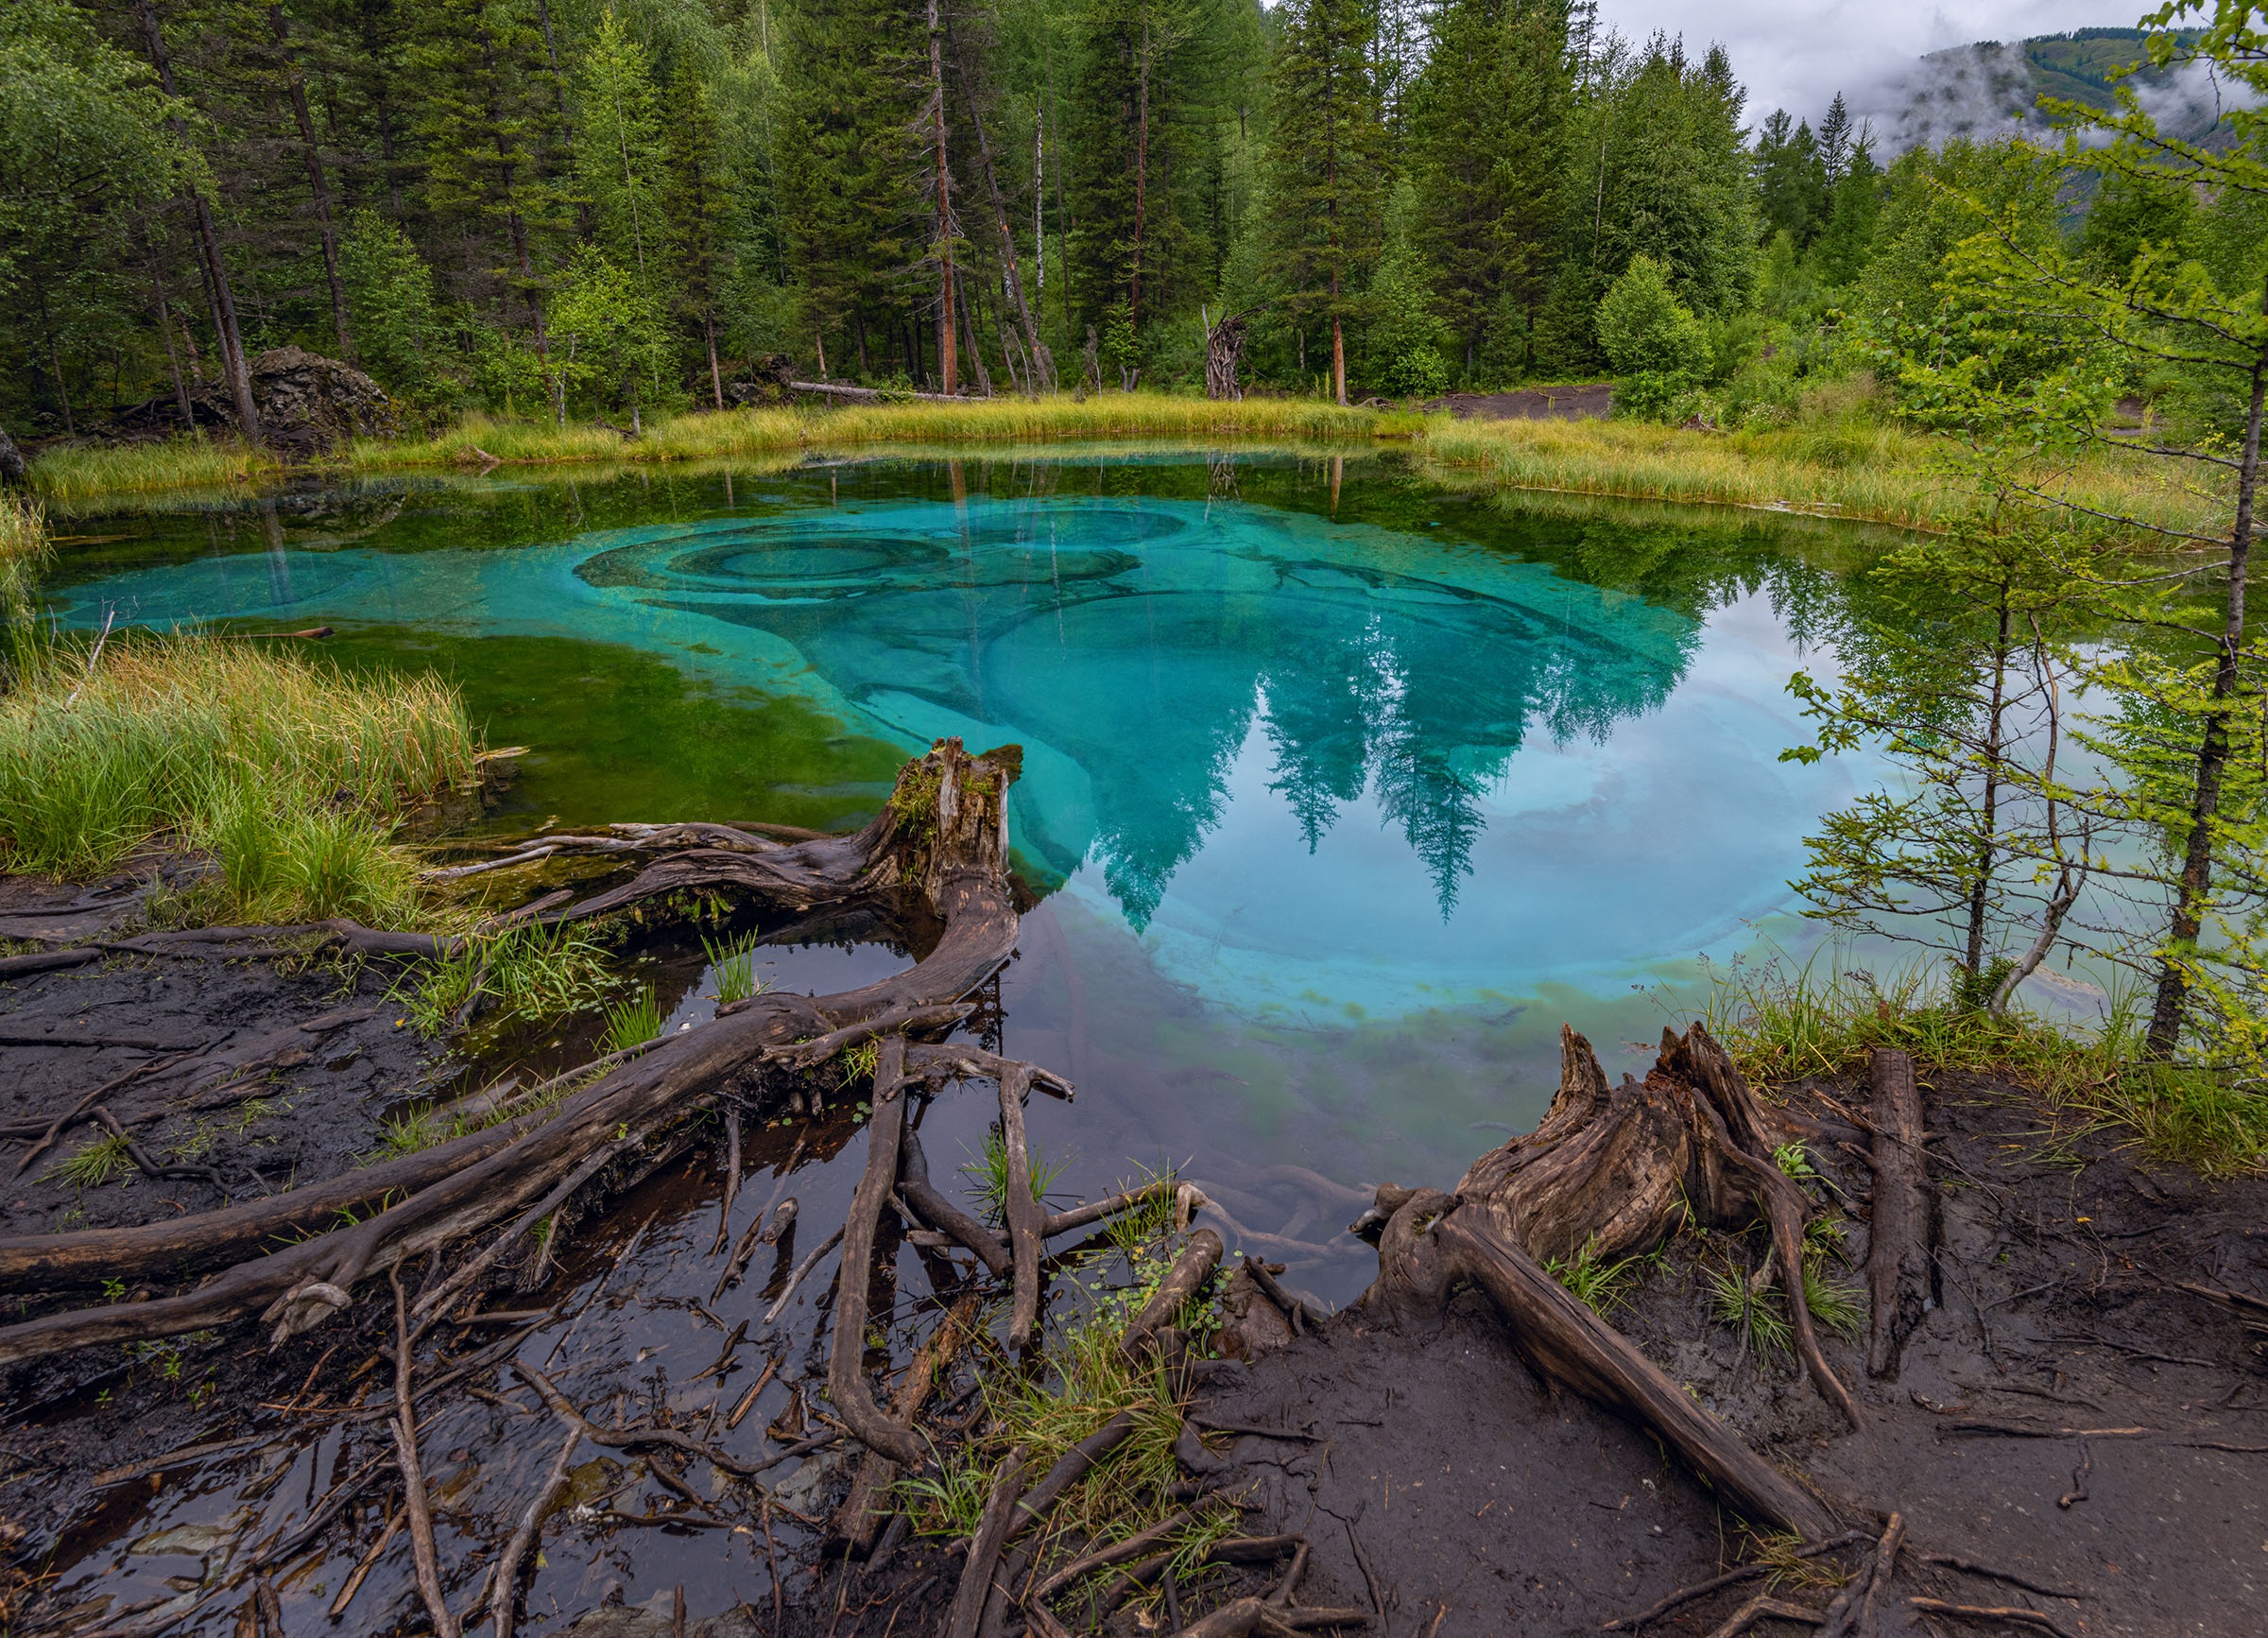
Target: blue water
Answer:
[[1344, 790]]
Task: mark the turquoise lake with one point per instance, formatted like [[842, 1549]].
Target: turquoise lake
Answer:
[[1343, 789]]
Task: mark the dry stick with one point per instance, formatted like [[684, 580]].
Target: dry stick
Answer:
[[935, 1209], [504, 1591], [746, 1246], [2077, 1493], [630, 1439], [438, 1301], [1294, 1309], [1783, 1208], [370, 1560], [1898, 1252], [724, 1210], [63, 1122], [413, 1478], [1117, 1553], [1109, 1206], [1247, 1615], [801, 1268], [858, 1518], [1970, 1567], [747, 1400], [1885, 1566], [846, 1374], [1987, 1612], [1023, 1211], [1574, 1346], [983, 1550], [1765, 1608]]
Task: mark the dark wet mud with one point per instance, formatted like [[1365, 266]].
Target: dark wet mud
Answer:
[[1441, 1482]]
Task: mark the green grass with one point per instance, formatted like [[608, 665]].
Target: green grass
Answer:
[[1754, 1316], [526, 972], [1784, 1023], [94, 1165], [290, 775], [988, 1174], [1599, 1285], [86, 470], [633, 1021], [26, 547], [1085, 1382], [733, 962]]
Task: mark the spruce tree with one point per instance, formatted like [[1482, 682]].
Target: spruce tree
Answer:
[[1326, 164], [695, 202], [1487, 152]]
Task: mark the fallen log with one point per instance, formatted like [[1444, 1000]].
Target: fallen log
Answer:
[[846, 1368], [937, 853], [1898, 1252], [1020, 1205]]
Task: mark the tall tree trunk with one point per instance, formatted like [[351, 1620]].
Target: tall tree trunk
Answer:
[[716, 379], [1980, 894], [1142, 174], [947, 363], [2196, 882], [208, 244], [517, 226], [317, 186], [173, 357], [1043, 367]]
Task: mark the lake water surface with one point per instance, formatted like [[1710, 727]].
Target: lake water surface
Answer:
[[1344, 790]]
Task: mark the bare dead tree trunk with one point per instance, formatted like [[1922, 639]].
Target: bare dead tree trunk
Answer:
[[317, 185], [1043, 367], [208, 244], [948, 365]]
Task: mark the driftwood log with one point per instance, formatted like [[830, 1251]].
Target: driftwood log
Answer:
[[934, 861], [1610, 1171], [1898, 1252]]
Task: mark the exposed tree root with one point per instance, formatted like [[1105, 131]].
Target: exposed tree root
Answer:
[[1610, 1171], [937, 853]]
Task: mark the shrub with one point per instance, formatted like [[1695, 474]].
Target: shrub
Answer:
[[1655, 343]]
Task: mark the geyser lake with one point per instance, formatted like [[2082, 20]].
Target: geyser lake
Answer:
[[1342, 789]]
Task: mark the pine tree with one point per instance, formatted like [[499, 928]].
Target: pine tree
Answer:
[[1488, 151], [848, 158], [695, 202], [618, 161], [1326, 163], [1790, 179]]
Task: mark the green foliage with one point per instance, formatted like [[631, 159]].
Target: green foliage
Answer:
[[94, 1164], [733, 961], [634, 1022], [289, 773], [398, 335], [1403, 337], [526, 971], [1653, 341], [989, 1172], [1752, 1314], [1599, 1285]]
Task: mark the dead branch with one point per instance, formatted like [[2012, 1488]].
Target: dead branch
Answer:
[[1988, 1612], [414, 1500], [983, 1550], [1897, 1253], [1191, 1270], [937, 1210], [1019, 1205], [504, 1589], [845, 1369]]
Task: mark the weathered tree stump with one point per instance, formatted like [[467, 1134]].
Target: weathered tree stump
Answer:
[[1609, 1172]]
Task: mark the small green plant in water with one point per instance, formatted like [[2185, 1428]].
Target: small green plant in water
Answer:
[[733, 963], [989, 1173], [526, 971], [859, 1062], [633, 1023]]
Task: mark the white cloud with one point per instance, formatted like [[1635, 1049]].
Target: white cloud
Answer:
[[1796, 55]]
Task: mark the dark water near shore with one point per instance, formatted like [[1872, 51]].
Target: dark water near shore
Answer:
[[1343, 791]]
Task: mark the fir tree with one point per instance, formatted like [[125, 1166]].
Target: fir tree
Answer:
[[1326, 163]]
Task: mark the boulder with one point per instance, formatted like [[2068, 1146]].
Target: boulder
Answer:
[[308, 403]]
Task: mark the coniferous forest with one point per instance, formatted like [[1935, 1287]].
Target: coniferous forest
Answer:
[[579, 208]]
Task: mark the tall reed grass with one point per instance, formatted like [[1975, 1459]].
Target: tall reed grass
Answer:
[[1843, 467], [83, 472], [287, 774]]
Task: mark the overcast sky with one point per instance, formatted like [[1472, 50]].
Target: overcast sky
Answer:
[[1795, 54]]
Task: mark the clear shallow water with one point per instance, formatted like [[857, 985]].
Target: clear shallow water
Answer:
[[1345, 790]]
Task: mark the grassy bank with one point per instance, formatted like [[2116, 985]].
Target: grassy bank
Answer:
[[287, 774], [1785, 1024], [1841, 461]]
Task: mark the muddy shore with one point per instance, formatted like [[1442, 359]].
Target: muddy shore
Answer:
[[2082, 1410]]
